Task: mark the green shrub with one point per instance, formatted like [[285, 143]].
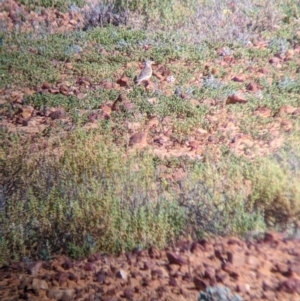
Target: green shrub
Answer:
[[275, 192], [88, 197], [215, 197], [59, 4], [83, 194]]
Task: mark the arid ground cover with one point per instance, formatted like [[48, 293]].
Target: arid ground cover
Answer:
[[208, 147]]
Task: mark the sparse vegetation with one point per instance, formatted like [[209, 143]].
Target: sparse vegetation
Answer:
[[59, 4], [219, 293], [210, 166], [100, 14]]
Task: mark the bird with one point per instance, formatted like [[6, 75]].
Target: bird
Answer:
[[146, 73]]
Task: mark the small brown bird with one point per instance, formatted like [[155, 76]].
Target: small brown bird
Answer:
[[146, 73]]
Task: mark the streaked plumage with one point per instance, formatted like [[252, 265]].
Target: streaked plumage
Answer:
[[146, 73]]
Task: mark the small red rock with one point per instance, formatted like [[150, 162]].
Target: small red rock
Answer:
[[253, 261], [286, 110], [200, 284], [296, 268], [282, 268], [173, 282], [67, 265], [128, 293], [157, 273], [149, 265], [123, 81], [100, 276], [269, 295], [57, 114], [122, 274], [46, 86], [93, 117], [252, 86], [107, 85], [236, 258], [73, 277], [34, 268], [145, 281], [64, 89], [239, 79], [25, 122], [221, 276], [291, 286], [234, 241], [154, 253], [231, 270], [243, 288], [274, 60], [61, 277], [269, 285], [80, 95], [175, 258], [263, 70], [263, 112], [219, 255], [209, 273], [53, 90], [296, 112], [197, 248], [89, 267], [236, 98], [105, 111], [38, 284], [26, 112]]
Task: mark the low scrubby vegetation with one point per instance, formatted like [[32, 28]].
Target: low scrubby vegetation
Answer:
[[219, 293], [77, 190], [83, 194]]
